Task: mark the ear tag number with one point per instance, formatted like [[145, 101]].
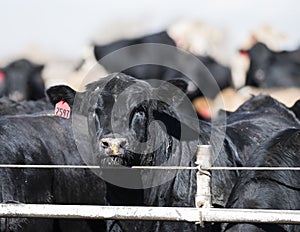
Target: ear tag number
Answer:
[[62, 109]]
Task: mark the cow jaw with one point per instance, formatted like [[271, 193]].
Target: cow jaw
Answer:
[[112, 161]]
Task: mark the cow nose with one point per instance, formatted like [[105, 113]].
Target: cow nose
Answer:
[[113, 146]]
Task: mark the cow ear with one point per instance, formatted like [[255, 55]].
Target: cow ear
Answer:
[[39, 68], [243, 52], [61, 93], [1, 71], [188, 88], [180, 83], [177, 129], [173, 91], [296, 109]]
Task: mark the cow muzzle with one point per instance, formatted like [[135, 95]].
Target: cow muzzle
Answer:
[[113, 146]]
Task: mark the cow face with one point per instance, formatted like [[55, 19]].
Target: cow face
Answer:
[[273, 69], [23, 80], [260, 60], [131, 122]]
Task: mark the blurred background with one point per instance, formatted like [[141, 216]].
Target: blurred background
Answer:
[[63, 27], [58, 34]]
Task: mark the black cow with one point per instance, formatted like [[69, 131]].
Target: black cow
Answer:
[[270, 189], [138, 109], [45, 139], [11, 107], [134, 123], [256, 120], [221, 73], [273, 69], [296, 109], [161, 37], [22, 80]]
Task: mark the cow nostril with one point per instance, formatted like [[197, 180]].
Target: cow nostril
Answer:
[[104, 144], [123, 143]]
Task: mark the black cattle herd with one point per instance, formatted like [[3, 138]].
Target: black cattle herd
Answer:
[[125, 120]]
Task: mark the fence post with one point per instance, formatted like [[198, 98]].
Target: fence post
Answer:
[[203, 160]]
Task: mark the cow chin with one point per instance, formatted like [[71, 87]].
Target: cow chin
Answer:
[[113, 161]]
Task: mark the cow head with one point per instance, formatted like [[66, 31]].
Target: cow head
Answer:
[[23, 80], [260, 60], [131, 122]]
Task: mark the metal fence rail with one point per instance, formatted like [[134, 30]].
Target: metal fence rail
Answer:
[[197, 215], [202, 213], [45, 166]]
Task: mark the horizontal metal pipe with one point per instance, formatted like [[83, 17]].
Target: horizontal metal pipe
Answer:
[[98, 212], [219, 168], [53, 166], [45, 166], [150, 213], [252, 216]]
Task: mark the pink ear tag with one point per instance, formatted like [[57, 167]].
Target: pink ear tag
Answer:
[[62, 109], [2, 76]]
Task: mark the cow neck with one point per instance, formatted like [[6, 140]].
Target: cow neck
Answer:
[[117, 195]]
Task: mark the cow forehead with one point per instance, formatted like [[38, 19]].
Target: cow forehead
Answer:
[[121, 88], [125, 87], [118, 95], [121, 104], [115, 82]]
